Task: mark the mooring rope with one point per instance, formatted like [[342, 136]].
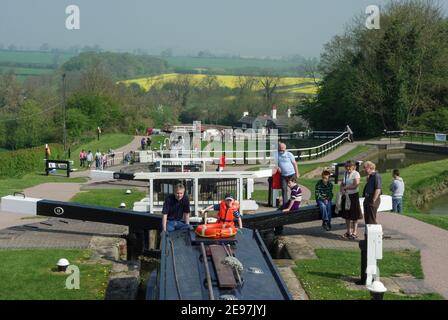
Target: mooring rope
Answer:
[[174, 269]]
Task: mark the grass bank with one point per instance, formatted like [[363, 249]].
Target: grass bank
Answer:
[[107, 141], [17, 163], [30, 275], [322, 279], [423, 181], [109, 197]]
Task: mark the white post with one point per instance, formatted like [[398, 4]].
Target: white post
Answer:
[[151, 195], [250, 187], [240, 193], [196, 196]]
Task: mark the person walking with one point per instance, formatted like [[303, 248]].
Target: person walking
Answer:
[[397, 189], [82, 158], [103, 161], [371, 193], [89, 158], [98, 157], [351, 209]]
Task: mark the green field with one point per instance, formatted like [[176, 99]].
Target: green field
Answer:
[[38, 57], [26, 64], [30, 275], [26, 71], [228, 63]]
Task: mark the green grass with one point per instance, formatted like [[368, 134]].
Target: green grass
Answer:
[[10, 185], [351, 155], [156, 141], [30, 275], [322, 278], [426, 139], [419, 179], [108, 197], [228, 64], [107, 141], [27, 71]]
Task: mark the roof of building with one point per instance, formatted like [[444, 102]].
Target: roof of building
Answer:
[[280, 121]]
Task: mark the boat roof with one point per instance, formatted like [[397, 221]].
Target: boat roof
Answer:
[[181, 259]]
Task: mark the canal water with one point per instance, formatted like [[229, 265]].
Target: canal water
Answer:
[[437, 206], [386, 161]]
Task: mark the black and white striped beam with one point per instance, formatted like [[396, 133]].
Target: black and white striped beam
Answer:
[[76, 211], [110, 175]]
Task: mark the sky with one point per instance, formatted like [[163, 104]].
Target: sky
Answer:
[[242, 27]]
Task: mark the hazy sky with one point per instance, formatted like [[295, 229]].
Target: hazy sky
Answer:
[[246, 27]]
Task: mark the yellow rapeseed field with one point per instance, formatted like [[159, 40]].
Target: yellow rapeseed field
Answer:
[[228, 81]]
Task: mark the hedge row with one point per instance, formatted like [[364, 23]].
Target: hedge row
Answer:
[[15, 164]]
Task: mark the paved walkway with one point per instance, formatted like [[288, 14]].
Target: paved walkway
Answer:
[[401, 233]]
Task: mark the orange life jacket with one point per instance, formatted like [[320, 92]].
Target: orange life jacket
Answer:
[[226, 215]]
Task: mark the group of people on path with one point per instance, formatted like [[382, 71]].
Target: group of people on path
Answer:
[[347, 200], [86, 159], [145, 142]]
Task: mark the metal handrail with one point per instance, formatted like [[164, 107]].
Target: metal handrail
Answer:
[[308, 152], [416, 134]]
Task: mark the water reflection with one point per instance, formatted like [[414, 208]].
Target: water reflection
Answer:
[[387, 160]]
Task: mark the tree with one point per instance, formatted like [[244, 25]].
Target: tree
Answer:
[[386, 78], [269, 83], [181, 88], [28, 130]]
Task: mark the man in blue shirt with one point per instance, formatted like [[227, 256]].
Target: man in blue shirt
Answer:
[[287, 165]]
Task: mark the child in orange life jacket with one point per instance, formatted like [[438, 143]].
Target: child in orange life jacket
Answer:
[[296, 196], [228, 210]]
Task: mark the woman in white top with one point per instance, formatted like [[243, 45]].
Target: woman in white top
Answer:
[[349, 188]]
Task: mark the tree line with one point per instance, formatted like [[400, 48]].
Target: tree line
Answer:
[[393, 78]]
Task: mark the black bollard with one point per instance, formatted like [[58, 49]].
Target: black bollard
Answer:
[[363, 248]]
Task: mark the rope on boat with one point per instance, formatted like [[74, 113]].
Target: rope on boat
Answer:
[[233, 262], [174, 269], [207, 273]]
